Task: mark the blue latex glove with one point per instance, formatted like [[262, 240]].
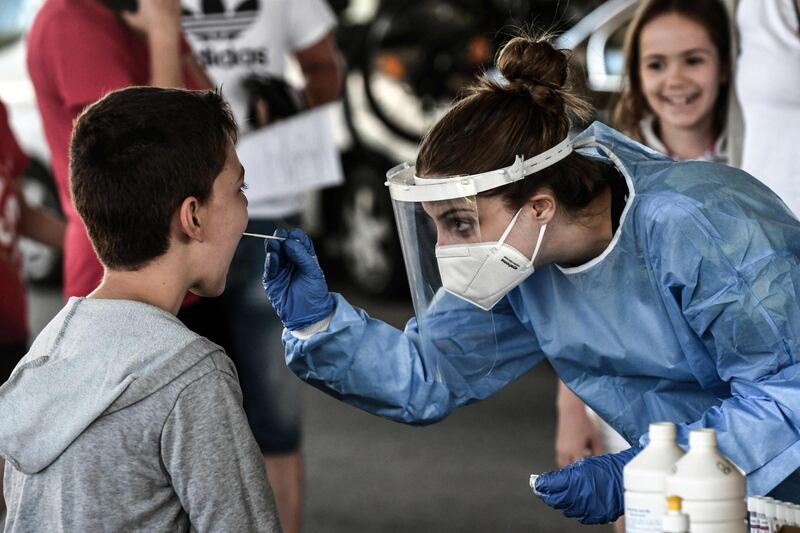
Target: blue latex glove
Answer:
[[590, 490], [294, 281]]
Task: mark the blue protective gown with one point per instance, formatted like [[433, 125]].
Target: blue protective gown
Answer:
[[691, 316]]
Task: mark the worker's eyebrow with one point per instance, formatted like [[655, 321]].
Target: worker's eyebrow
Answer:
[[453, 211]]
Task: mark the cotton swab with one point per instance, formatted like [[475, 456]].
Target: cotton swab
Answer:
[[260, 236]]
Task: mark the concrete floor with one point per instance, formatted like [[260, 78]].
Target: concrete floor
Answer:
[[468, 473]]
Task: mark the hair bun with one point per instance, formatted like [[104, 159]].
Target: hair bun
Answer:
[[534, 66]]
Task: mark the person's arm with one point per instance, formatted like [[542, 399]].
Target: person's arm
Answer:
[[196, 70], [398, 375], [160, 23], [322, 69], [465, 355], [37, 224], [41, 225], [165, 67], [576, 435], [309, 36], [213, 461]]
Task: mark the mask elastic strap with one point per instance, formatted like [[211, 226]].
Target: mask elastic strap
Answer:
[[538, 243], [509, 228]]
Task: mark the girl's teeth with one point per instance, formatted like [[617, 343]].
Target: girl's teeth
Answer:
[[679, 100]]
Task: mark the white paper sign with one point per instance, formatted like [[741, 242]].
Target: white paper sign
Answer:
[[295, 155]]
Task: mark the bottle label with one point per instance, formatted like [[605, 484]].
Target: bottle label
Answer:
[[643, 520]]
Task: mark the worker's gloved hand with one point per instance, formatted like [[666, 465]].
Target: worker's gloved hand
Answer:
[[294, 280], [590, 490]]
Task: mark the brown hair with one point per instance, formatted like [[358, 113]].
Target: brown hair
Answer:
[[525, 114], [135, 156], [711, 15]]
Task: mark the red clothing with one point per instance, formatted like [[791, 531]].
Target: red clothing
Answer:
[[79, 50], [13, 314]]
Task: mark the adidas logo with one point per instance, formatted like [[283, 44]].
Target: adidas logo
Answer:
[[212, 20]]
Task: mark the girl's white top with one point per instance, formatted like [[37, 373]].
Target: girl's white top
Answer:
[[717, 153]]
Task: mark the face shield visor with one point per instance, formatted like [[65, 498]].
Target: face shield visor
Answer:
[[464, 252], [454, 240]]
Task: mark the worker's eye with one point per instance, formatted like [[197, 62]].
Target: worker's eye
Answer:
[[243, 187], [461, 227]]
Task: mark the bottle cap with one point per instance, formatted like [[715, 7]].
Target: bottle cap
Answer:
[[662, 431], [674, 503], [674, 521], [702, 438]]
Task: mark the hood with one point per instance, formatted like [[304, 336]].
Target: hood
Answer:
[[626, 148], [95, 357]]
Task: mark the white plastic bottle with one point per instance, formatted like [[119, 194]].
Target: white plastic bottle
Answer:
[[712, 488], [770, 515], [771, 512], [782, 515], [759, 524], [752, 514], [675, 521], [767, 514], [644, 475]]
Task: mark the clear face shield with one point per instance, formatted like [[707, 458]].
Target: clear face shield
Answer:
[[463, 254]]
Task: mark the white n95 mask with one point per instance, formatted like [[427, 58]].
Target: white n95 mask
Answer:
[[482, 273]]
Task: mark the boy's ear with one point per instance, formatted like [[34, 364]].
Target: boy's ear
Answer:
[[190, 219]]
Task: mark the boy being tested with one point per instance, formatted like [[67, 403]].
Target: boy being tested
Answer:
[[119, 418]]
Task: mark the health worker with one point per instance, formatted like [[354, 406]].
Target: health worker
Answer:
[[657, 290]]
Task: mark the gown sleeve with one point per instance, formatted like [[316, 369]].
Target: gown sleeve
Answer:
[[413, 378], [734, 278]]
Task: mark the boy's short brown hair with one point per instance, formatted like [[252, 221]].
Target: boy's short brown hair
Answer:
[[135, 156]]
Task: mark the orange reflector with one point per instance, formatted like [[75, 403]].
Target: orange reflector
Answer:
[[391, 65], [480, 49]]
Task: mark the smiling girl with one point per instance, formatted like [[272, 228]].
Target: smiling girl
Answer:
[[677, 77]]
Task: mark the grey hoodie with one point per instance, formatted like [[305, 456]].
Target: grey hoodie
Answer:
[[121, 419]]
